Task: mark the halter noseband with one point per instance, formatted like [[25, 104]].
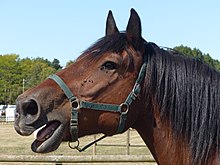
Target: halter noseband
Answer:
[[76, 104]]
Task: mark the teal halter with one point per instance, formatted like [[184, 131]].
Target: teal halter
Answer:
[[76, 104]]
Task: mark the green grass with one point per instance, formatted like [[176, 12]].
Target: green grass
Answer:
[[13, 144]]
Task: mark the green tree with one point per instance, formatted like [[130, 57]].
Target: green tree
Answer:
[[196, 53], [35, 71], [16, 73], [10, 75], [56, 64]]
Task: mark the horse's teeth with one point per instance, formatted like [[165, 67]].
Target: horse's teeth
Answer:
[[47, 136], [37, 130]]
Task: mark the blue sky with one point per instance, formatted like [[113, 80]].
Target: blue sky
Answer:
[[63, 29]]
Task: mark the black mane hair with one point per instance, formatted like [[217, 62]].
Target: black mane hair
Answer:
[[115, 43], [188, 94], [111, 43]]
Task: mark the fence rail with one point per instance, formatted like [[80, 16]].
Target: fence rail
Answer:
[[59, 159]]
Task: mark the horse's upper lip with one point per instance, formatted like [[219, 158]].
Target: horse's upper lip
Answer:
[[48, 138]]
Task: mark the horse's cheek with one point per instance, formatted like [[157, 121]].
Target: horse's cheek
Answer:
[[108, 122]]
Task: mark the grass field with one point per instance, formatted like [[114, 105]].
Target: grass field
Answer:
[[13, 144]]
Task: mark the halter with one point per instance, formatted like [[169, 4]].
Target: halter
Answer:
[[77, 104]]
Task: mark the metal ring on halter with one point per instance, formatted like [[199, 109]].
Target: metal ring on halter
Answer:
[[124, 108], [75, 103], [76, 146]]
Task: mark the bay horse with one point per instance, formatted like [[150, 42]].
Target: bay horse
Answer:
[[123, 81]]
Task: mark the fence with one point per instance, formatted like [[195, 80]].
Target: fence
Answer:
[[124, 149], [89, 159], [5, 120], [128, 144]]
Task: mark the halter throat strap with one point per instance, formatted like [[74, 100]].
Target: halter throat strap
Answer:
[[77, 104]]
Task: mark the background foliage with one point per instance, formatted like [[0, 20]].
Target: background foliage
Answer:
[[196, 53], [18, 74]]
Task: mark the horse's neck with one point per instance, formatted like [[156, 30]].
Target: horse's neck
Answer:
[[160, 142], [165, 149]]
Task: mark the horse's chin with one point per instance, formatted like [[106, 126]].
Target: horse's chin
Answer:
[[48, 138]]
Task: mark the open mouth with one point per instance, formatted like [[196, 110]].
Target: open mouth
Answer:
[[48, 137]]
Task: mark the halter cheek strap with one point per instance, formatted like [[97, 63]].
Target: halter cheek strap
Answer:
[[77, 104], [74, 112]]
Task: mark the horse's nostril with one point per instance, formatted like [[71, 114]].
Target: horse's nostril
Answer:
[[30, 107], [16, 115], [31, 110]]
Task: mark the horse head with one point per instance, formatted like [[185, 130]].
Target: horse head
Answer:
[[105, 76]]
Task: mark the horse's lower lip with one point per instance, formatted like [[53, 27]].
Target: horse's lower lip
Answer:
[[48, 142]]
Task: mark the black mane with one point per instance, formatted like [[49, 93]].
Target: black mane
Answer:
[[112, 43], [188, 94]]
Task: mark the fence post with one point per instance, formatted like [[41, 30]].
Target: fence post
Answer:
[[128, 142], [94, 147]]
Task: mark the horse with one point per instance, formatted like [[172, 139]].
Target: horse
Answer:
[[123, 81]]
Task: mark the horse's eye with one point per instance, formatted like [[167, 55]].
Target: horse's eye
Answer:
[[109, 65]]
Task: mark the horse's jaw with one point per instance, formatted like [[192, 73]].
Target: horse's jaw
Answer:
[[48, 137]]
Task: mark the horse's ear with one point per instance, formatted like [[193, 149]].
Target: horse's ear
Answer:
[[133, 30], [111, 27]]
